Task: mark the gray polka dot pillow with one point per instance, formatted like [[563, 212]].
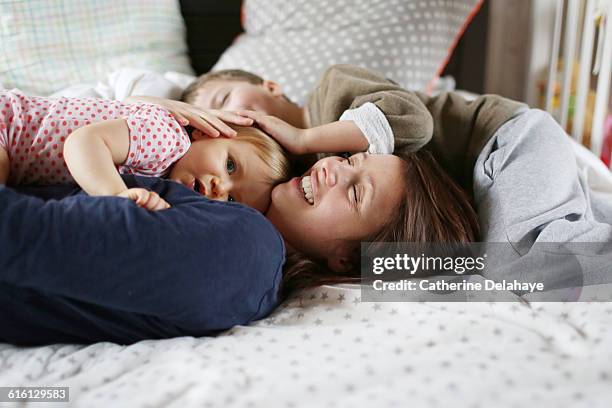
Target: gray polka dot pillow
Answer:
[[292, 42]]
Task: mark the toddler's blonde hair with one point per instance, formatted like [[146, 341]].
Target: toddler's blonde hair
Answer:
[[268, 150]]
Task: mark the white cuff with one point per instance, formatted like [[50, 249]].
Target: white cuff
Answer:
[[374, 126]]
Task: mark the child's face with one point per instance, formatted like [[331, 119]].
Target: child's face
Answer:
[[239, 95], [226, 170]]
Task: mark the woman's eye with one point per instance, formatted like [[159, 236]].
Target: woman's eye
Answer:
[[230, 166], [230, 198]]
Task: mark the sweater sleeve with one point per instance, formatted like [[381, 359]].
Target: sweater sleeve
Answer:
[[344, 87], [374, 126], [203, 265]]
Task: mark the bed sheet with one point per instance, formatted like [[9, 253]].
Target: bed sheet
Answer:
[[326, 348]]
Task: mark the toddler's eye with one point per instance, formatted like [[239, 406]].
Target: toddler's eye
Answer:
[[230, 198], [230, 165]]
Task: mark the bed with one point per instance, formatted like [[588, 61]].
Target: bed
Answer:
[[324, 347]]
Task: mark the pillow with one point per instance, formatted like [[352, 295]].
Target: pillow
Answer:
[[292, 43], [47, 46]]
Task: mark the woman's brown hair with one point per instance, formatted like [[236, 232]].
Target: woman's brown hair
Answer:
[[434, 209]]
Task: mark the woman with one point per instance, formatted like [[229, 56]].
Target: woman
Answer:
[[86, 269], [408, 199]]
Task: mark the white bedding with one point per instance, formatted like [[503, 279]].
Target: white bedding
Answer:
[[327, 349], [126, 82]]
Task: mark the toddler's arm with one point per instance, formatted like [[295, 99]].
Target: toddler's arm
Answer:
[[92, 154], [4, 165], [93, 151]]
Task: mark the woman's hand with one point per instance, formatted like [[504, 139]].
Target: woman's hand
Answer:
[[211, 122], [293, 139], [145, 198]]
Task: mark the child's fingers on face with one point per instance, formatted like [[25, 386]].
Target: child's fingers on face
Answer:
[[249, 114], [235, 118], [182, 120], [205, 127], [221, 126]]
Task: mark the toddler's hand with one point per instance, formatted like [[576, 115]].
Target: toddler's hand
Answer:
[[145, 198], [293, 139], [4, 166]]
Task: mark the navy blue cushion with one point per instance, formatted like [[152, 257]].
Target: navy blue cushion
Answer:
[[75, 268]]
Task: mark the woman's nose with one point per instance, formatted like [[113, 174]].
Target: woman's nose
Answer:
[[335, 169]]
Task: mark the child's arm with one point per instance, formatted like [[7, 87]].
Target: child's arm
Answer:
[[341, 136], [4, 165], [92, 154]]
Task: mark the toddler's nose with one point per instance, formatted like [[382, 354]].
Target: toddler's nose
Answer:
[[219, 188]]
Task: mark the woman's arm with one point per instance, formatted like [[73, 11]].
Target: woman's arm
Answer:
[[4, 165], [92, 154]]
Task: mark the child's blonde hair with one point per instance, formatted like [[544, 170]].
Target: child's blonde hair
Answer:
[[268, 150]]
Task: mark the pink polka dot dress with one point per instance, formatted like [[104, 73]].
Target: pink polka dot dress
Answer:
[[33, 131]]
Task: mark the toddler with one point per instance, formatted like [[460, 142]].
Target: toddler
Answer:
[[91, 141]]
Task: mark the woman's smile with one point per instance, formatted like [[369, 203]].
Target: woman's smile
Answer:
[[296, 184]]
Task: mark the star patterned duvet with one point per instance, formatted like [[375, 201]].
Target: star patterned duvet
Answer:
[[326, 348]]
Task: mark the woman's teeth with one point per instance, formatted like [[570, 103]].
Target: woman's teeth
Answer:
[[307, 189]]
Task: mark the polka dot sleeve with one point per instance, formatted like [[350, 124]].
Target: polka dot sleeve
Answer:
[[156, 141]]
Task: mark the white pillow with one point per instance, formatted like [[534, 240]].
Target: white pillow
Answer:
[[292, 42], [50, 45]]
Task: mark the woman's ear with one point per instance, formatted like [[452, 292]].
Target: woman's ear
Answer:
[[273, 87], [340, 265], [339, 260]]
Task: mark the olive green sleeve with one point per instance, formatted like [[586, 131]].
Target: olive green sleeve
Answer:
[[344, 87]]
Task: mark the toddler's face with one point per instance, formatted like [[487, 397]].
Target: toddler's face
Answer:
[[238, 95], [226, 170]]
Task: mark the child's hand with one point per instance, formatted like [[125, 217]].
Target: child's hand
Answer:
[[211, 122], [4, 166], [145, 198], [293, 139]]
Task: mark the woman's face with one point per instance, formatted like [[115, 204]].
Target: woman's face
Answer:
[[351, 199]]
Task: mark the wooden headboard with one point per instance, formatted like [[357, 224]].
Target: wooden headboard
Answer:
[[212, 25]]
